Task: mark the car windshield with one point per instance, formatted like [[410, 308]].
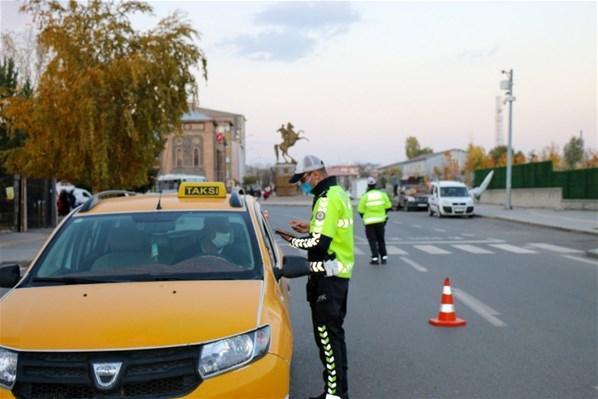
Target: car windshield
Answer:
[[453, 192], [151, 246]]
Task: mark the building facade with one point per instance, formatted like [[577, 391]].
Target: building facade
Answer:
[[430, 166], [211, 144]]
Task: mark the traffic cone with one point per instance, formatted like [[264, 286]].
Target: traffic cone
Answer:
[[447, 316]]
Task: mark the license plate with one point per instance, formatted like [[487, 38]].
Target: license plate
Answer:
[[422, 205]]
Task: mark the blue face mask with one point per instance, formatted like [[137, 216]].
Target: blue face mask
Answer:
[[306, 187]]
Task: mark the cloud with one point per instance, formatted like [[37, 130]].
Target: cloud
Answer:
[[285, 45], [292, 30], [302, 15]]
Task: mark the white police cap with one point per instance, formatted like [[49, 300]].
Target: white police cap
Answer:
[[309, 163]]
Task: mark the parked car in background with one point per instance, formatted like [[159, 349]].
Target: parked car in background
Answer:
[[450, 198], [413, 194], [81, 194]]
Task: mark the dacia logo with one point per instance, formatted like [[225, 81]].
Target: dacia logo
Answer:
[[106, 374], [202, 190]]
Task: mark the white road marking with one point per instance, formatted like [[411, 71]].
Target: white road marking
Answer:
[[414, 265], [472, 249], [417, 226], [392, 250], [584, 260], [440, 230], [397, 223], [358, 251], [360, 239], [432, 250], [479, 307], [468, 235], [412, 242], [554, 248], [513, 249]]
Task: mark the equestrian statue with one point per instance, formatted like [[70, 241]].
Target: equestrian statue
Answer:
[[289, 138]]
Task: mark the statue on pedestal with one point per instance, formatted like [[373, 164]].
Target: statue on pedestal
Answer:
[[289, 138], [285, 169]]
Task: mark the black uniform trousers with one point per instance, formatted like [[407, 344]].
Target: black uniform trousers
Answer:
[[327, 297], [375, 234]]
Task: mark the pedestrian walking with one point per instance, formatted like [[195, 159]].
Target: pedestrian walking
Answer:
[[329, 246], [63, 204], [373, 208]]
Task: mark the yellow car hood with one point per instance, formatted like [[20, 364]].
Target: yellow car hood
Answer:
[[127, 315]]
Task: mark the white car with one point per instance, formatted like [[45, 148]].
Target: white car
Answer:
[[450, 198], [81, 195]]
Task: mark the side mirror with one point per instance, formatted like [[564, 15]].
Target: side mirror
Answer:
[[292, 267], [10, 274]]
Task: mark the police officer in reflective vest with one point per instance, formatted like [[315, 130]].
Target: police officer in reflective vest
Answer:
[[329, 246], [373, 207]]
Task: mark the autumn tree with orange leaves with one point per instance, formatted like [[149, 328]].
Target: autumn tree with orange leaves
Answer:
[[108, 96]]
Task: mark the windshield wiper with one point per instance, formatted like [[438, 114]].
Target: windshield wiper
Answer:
[[74, 280]]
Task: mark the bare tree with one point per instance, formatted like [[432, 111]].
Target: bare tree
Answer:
[[29, 55]]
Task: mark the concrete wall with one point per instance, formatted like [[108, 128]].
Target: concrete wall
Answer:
[[551, 198]]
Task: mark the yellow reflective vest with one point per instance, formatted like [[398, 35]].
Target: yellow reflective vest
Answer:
[[373, 205]]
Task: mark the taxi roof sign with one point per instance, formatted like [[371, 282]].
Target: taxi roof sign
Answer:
[[202, 190]]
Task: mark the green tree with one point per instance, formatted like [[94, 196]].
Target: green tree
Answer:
[[573, 151], [413, 149], [109, 94]]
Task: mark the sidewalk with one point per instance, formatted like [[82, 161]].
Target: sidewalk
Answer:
[[577, 221], [21, 247]]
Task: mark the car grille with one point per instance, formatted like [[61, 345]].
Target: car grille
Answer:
[[447, 209], [164, 373]]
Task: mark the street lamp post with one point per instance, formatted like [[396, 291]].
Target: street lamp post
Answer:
[[507, 85]]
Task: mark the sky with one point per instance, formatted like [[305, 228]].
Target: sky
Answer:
[[360, 77]]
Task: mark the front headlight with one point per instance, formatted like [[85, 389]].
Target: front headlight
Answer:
[[8, 368], [227, 354]]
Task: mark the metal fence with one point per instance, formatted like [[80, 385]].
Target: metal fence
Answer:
[[576, 184]]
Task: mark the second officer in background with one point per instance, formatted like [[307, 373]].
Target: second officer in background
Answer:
[[373, 207]]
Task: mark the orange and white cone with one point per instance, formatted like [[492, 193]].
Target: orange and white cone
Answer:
[[447, 317]]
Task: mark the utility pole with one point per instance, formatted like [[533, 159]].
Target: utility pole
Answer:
[[507, 85]]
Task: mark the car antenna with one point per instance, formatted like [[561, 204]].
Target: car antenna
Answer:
[[159, 200]]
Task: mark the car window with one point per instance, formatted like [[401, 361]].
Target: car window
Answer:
[[453, 192], [157, 245], [268, 237]]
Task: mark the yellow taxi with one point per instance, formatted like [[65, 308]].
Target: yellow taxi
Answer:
[[151, 296]]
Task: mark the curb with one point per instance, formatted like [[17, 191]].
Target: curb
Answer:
[[592, 253], [285, 203], [536, 224]]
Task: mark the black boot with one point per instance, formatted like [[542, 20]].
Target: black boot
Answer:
[[374, 261], [384, 259]]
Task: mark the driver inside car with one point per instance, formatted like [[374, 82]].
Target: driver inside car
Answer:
[[216, 236]]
